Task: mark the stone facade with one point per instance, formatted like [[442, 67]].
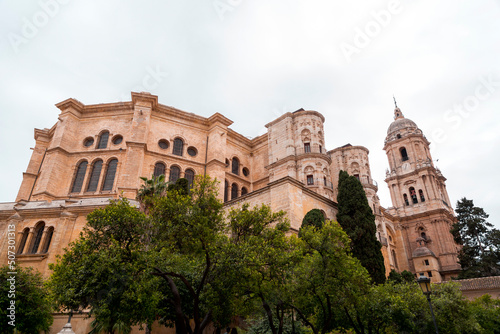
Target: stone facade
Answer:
[[95, 153]]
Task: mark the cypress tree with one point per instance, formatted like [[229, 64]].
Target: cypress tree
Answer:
[[313, 218], [358, 221]]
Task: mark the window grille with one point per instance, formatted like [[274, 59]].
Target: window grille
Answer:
[[178, 146], [103, 140], [95, 175], [175, 173], [80, 175], [110, 175], [159, 169]]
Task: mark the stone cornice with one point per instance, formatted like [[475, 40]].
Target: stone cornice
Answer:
[[440, 211], [44, 135], [347, 148], [298, 157], [137, 98], [70, 103], [403, 138], [238, 139], [415, 172], [300, 112], [219, 118]]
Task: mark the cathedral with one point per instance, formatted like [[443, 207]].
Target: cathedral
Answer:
[[95, 153]]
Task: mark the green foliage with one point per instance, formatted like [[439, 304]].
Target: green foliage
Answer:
[[480, 254], [357, 219], [263, 258], [181, 186], [105, 270], [313, 218], [404, 276], [184, 262], [189, 246], [402, 308], [32, 305], [487, 313], [260, 325], [328, 279]]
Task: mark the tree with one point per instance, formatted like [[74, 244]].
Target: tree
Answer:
[[105, 271], [31, 312], [313, 218], [402, 308], [187, 250], [487, 313], [480, 253], [328, 279], [357, 219], [404, 276], [265, 257]]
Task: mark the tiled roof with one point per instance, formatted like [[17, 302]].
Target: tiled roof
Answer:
[[492, 282]]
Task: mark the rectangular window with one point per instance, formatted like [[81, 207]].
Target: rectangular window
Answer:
[[307, 147], [310, 180], [429, 273], [426, 262]]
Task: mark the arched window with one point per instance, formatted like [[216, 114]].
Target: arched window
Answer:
[[95, 175], [421, 194], [189, 175], [175, 173], [413, 195], [226, 187], [244, 191], [178, 146], [22, 243], [103, 140], [405, 197], [79, 176], [394, 259], [159, 169], [48, 239], [235, 166], [404, 154], [37, 237], [234, 191], [110, 175]]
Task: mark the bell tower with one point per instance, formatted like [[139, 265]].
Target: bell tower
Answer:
[[420, 204]]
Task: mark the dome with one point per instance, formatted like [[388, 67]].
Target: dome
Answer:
[[401, 123], [422, 251]]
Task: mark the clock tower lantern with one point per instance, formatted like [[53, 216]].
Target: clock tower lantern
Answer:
[[420, 202]]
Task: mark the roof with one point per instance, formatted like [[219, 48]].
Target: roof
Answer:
[[422, 251], [482, 283], [401, 123]]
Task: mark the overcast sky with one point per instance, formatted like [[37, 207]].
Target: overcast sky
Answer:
[[254, 60]]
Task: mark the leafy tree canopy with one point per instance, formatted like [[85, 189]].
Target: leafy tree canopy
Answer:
[[31, 312], [313, 218], [480, 254]]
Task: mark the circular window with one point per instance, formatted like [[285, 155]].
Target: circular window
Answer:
[[88, 141], [163, 143], [246, 171], [117, 139], [192, 151]]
